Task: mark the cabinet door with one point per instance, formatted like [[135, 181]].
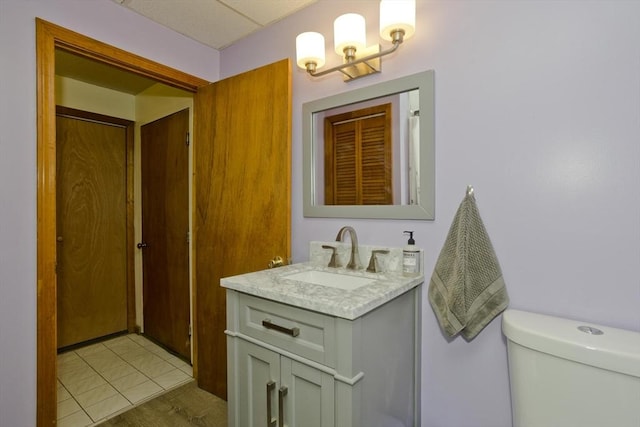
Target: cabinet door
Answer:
[[309, 399], [258, 381]]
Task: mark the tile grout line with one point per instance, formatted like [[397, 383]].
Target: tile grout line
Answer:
[[74, 398], [139, 346], [132, 404]]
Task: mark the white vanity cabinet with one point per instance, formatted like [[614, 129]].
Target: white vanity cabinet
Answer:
[[302, 367]]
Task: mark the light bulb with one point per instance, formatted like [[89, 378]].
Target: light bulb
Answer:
[[310, 48], [397, 15], [349, 31]]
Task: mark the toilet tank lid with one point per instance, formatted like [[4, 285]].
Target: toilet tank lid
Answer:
[[616, 349]]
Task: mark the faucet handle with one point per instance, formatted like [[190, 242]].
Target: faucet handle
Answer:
[[333, 262], [373, 261]]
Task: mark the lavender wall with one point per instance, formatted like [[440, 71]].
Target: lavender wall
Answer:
[[103, 20], [538, 107]]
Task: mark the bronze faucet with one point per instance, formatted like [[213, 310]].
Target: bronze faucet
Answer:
[[354, 262]]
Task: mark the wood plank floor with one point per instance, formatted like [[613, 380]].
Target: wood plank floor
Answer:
[[186, 405]]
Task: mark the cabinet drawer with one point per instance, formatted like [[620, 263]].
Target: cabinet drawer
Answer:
[[302, 332]]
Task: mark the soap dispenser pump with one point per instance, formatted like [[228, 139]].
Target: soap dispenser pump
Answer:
[[410, 257]]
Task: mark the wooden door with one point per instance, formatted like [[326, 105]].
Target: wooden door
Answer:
[[165, 227], [91, 227], [258, 383], [242, 218]]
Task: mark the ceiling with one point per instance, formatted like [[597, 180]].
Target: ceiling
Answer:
[[100, 74], [215, 23]]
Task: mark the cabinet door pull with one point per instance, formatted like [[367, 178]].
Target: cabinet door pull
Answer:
[[271, 386], [294, 332], [281, 394]]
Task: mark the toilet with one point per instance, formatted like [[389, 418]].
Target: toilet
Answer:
[[567, 373]]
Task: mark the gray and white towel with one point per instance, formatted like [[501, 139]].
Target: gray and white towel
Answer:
[[467, 290]]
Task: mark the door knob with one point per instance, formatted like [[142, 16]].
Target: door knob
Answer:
[[276, 262], [141, 245], [59, 239]]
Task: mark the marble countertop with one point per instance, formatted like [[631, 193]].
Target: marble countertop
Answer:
[[348, 304]]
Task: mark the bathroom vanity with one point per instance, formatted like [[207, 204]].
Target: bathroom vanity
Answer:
[[309, 346]]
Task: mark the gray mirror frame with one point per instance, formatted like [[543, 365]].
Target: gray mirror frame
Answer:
[[425, 210]]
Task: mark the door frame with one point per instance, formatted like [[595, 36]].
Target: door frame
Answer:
[[128, 127], [49, 37]]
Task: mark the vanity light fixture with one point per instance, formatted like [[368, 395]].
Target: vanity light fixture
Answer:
[[397, 23]]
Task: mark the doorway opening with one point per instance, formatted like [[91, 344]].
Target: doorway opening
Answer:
[[49, 38], [229, 208]]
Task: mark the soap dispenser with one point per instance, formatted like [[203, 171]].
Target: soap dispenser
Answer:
[[410, 257]]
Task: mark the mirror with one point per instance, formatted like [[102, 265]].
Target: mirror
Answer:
[[403, 170]]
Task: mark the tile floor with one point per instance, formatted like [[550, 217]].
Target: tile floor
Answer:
[[105, 379]]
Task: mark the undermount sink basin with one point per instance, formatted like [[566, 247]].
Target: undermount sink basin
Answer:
[[332, 280]]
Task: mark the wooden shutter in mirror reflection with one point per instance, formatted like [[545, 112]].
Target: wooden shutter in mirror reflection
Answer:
[[358, 157]]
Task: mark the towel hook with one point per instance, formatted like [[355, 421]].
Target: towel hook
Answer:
[[469, 190]]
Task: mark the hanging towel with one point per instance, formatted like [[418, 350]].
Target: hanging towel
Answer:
[[467, 290]]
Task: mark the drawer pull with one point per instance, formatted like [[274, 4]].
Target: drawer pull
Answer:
[[281, 394], [294, 332], [271, 386]]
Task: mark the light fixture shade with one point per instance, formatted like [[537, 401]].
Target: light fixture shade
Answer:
[[349, 30], [397, 14], [310, 48]]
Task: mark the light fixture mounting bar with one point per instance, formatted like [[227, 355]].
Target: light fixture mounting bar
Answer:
[[369, 66]]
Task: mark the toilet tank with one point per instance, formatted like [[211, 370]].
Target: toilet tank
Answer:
[[566, 373]]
